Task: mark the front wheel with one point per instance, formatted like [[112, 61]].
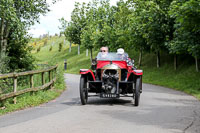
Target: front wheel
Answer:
[[83, 90], [137, 91]]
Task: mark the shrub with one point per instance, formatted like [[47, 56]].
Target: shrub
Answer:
[[60, 46], [45, 41], [4, 61], [50, 49], [38, 49]]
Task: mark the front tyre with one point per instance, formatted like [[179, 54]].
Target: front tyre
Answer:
[[83, 90], [137, 91]]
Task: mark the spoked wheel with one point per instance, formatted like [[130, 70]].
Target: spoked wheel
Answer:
[[83, 90], [137, 91]]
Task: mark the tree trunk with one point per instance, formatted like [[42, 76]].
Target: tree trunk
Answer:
[[4, 32], [5, 40], [3, 47], [1, 36], [64, 42], [70, 47], [78, 49], [158, 59], [175, 62], [91, 56], [197, 65], [86, 52], [140, 58]]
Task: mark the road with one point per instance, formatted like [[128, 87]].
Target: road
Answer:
[[161, 110]]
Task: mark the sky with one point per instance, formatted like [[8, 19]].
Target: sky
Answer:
[[50, 23]]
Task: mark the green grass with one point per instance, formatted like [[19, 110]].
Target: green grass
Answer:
[[29, 100], [185, 78]]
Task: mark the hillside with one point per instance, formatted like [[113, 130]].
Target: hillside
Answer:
[[185, 78]]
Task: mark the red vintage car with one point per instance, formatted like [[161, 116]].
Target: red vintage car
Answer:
[[112, 76]]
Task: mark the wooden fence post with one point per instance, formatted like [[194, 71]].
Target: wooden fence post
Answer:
[[31, 81], [43, 79], [50, 78], [3, 104], [15, 88], [55, 71], [52, 74]]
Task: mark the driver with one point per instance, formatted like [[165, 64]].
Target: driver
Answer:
[[103, 52]]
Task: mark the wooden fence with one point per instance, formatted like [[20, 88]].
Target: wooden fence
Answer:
[[51, 76]]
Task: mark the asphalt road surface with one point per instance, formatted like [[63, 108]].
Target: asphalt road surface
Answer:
[[161, 110]]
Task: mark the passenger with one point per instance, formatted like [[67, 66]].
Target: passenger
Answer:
[[122, 55]]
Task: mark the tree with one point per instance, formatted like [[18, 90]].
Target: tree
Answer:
[[120, 25], [87, 40], [78, 21], [136, 31], [14, 20], [90, 31], [152, 24], [18, 40], [8, 16], [63, 26], [187, 31], [67, 30], [97, 30], [103, 23], [69, 33]]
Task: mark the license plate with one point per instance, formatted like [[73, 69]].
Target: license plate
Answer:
[[108, 95]]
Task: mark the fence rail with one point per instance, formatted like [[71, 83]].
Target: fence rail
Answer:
[[51, 76]]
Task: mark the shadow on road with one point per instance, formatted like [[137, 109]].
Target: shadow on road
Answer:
[[100, 101], [110, 102]]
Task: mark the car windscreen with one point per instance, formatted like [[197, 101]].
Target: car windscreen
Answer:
[[112, 56]]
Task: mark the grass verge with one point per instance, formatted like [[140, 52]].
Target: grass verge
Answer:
[[36, 98], [43, 96]]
